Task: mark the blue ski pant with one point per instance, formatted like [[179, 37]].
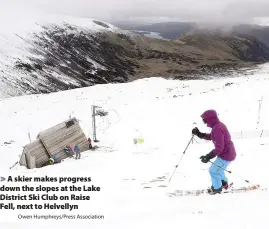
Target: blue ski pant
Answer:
[[218, 174]]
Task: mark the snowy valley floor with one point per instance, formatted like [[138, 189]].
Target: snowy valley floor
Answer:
[[163, 112]]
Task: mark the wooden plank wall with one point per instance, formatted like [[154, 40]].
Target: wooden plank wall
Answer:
[[31, 161], [23, 158], [52, 142], [58, 137], [37, 150]]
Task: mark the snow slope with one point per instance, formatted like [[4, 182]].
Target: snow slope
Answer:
[[163, 112], [39, 50]]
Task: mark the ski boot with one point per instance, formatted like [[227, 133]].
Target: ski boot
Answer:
[[213, 191], [225, 184]]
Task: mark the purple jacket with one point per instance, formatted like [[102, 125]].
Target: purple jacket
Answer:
[[224, 147]]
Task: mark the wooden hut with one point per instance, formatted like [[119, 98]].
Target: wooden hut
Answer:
[[52, 142]]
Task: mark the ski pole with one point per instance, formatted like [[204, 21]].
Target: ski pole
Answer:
[[181, 158], [229, 171]]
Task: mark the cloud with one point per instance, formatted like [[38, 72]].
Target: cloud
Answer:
[[112, 10]]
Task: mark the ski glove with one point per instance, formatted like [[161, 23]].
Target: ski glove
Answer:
[[196, 131], [207, 157]]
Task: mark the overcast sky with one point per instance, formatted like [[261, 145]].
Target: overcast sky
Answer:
[[148, 10]]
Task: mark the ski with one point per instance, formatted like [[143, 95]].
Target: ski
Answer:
[[242, 189], [196, 192], [204, 191]]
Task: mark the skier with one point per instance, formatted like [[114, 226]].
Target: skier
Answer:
[[76, 150], [90, 143], [68, 150], [52, 160], [224, 150]]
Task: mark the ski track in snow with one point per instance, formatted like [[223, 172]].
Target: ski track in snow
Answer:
[[163, 112]]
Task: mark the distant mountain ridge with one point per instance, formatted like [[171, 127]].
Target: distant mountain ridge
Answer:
[[172, 30], [167, 30], [61, 53]]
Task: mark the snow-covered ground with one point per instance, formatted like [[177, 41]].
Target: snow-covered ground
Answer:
[[163, 112], [28, 37]]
